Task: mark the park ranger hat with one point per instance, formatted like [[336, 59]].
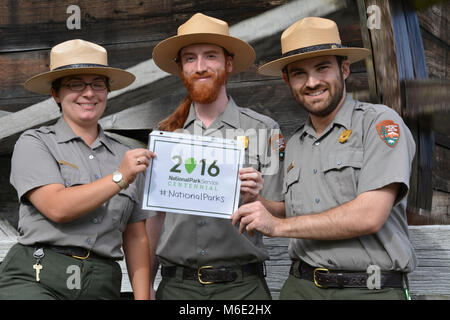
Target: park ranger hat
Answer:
[[308, 38], [202, 29], [78, 57]]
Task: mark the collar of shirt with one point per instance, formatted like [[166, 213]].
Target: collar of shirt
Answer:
[[230, 116], [64, 133], [343, 118]]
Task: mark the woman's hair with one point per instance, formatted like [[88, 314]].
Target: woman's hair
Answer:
[[56, 85]]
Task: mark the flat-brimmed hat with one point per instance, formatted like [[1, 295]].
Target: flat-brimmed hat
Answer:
[[78, 57], [202, 29], [308, 38]]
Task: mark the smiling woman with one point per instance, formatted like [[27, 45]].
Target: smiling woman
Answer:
[[80, 201], [83, 100]]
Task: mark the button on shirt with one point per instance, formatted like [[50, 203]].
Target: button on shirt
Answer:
[[322, 173], [54, 154], [194, 241]]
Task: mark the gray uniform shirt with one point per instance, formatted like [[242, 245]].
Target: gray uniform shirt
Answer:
[[54, 154], [322, 173], [195, 241]]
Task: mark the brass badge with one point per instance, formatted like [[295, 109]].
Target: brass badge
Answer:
[[344, 136], [243, 140]]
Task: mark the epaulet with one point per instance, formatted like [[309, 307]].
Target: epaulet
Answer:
[[44, 130], [268, 121]]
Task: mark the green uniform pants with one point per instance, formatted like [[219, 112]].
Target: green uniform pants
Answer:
[[243, 288], [300, 289], [61, 276]]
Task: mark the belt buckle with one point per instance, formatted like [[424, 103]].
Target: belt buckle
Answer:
[[82, 258], [324, 270], [199, 275]]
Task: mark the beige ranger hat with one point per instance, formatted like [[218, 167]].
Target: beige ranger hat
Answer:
[[78, 57], [308, 38], [202, 29]]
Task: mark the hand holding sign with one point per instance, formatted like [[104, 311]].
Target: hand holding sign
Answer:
[[194, 175], [252, 183]]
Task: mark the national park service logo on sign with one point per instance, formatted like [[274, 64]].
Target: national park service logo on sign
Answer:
[[389, 132]]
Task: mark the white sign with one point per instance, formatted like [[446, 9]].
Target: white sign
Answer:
[[193, 174]]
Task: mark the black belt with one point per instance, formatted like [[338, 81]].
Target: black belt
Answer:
[[74, 252], [324, 278], [209, 274]]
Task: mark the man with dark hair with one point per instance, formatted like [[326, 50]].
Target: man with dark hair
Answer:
[[347, 171]]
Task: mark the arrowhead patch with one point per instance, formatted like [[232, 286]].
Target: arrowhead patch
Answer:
[[389, 132]]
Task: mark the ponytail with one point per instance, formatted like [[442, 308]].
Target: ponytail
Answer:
[[177, 119]]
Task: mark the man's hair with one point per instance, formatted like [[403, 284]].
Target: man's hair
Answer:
[[338, 58], [177, 119]]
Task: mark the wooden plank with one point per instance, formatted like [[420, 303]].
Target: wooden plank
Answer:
[[124, 52], [103, 21], [7, 232], [441, 172], [435, 21], [427, 97], [9, 205], [411, 64], [384, 54], [146, 75], [373, 91], [432, 247], [8, 237]]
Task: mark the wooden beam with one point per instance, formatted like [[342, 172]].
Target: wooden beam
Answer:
[[399, 56], [369, 61], [430, 97], [412, 65], [384, 57], [147, 73]]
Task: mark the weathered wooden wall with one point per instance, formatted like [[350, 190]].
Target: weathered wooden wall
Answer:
[[434, 26]]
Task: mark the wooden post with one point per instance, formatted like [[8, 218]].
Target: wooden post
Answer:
[[398, 56], [384, 56], [371, 78]]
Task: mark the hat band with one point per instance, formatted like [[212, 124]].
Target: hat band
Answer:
[[313, 48], [81, 65]]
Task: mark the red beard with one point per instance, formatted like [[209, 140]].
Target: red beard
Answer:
[[206, 92]]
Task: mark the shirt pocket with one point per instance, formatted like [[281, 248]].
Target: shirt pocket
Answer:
[[73, 176], [121, 206], [341, 172], [291, 191]]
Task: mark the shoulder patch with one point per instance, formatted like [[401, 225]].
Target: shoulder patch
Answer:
[[389, 132], [278, 144]]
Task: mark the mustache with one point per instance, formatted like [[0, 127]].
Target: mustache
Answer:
[[196, 76]]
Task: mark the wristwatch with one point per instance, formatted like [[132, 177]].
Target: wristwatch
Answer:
[[118, 178]]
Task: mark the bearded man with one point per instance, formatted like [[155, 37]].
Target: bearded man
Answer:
[[347, 173], [203, 257]]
